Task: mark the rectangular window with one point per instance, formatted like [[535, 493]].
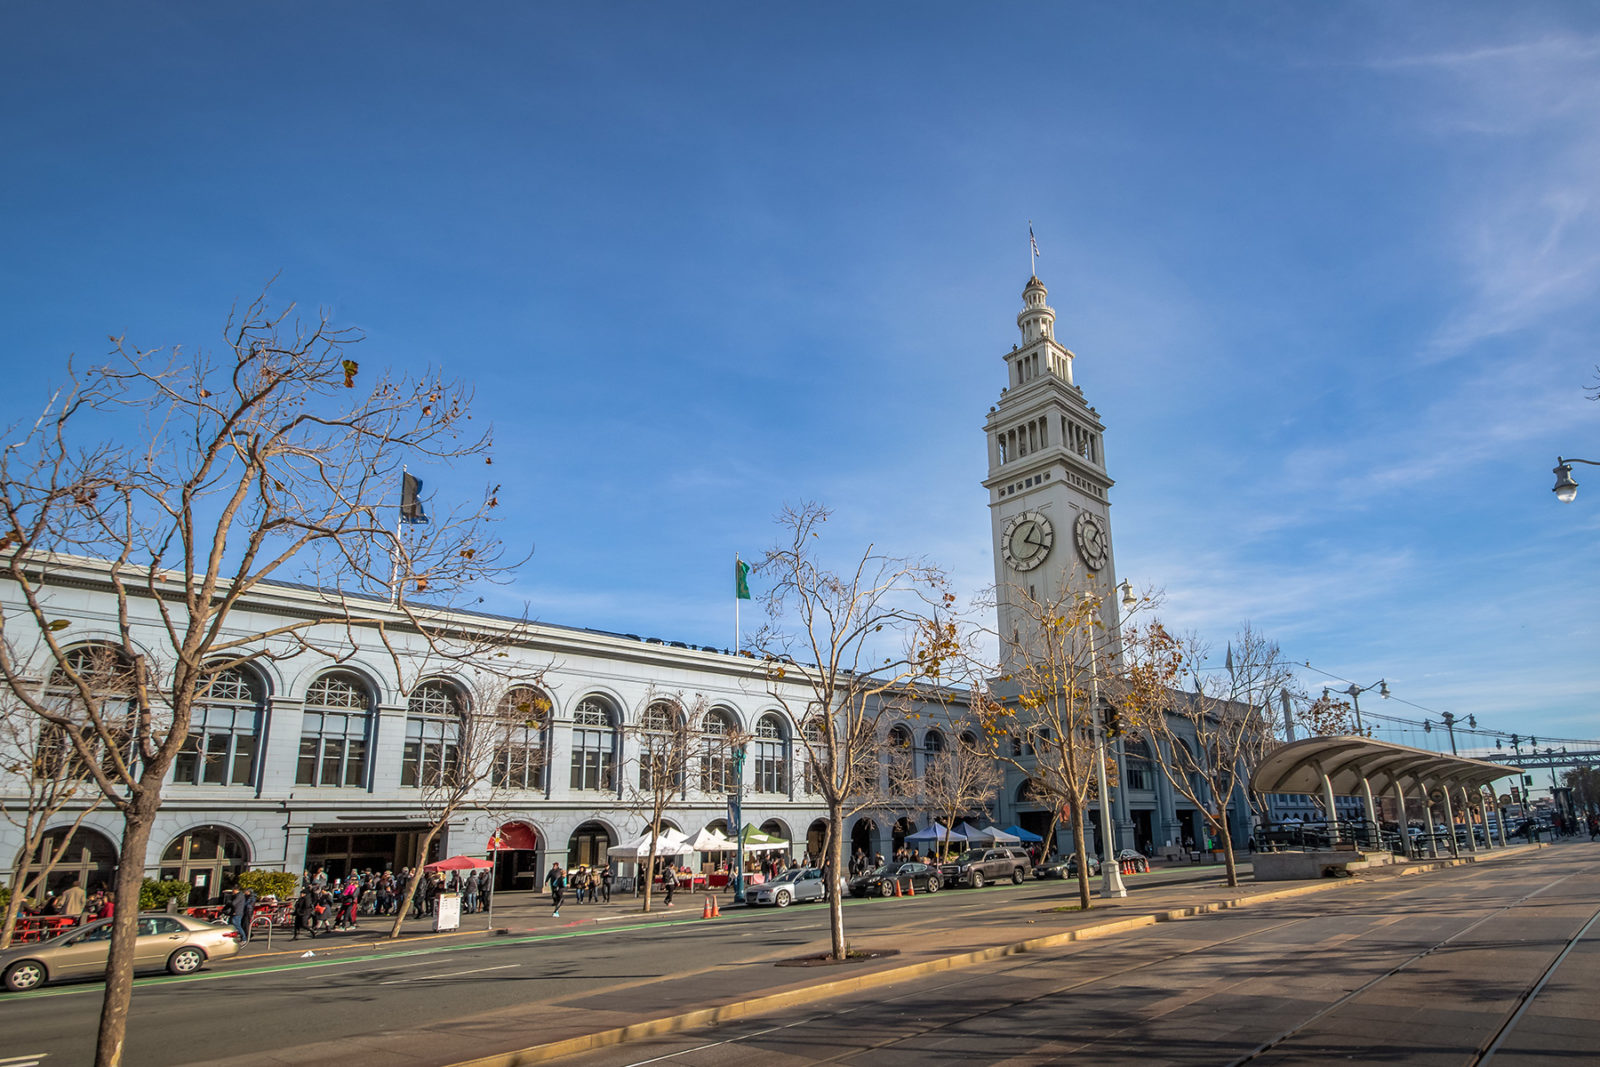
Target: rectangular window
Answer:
[[244, 759], [187, 763], [355, 762], [306, 772], [410, 757], [216, 770], [332, 760]]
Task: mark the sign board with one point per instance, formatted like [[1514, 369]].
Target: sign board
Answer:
[[1436, 795], [446, 912]]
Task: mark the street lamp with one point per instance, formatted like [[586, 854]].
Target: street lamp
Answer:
[[1111, 884], [736, 809], [1450, 719], [1566, 487], [1354, 693]]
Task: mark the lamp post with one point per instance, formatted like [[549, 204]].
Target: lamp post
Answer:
[[1354, 693], [736, 810], [1566, 487], [1111, 884], [1450, 719]]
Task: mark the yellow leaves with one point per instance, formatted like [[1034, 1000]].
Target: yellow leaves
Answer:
[[57, 625], [350, 367], [468, 553]]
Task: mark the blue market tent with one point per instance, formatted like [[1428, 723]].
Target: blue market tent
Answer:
[[935, 833], [1024, 835]]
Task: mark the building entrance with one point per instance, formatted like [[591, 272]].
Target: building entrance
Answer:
[[345, 849]]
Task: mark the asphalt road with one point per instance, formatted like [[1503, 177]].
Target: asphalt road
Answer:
[[1495, 963], [256, 1005]]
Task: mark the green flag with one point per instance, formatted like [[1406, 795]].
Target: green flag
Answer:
[[741, 571]]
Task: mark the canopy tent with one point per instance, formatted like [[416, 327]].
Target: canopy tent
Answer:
[[670, 843], [938, 833], [709, 840], [459, 863], [990, 836], [760, 841], [1024, 835]]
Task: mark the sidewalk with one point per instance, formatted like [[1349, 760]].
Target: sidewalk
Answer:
[[711, 991]]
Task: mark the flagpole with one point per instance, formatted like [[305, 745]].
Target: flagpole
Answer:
[[394, 554], [736, 605], [1033, 254]]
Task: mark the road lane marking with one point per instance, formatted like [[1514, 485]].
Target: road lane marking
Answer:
[[451, 974], [30, 1060]]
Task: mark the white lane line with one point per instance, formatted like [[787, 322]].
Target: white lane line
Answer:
[[452, 974], [30, 1060]]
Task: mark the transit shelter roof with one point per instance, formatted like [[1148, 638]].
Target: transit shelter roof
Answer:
[[1298, 767]]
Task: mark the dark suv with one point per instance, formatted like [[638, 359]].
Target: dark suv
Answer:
[[979, 866]]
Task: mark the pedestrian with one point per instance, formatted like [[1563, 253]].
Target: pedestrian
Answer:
[[669, 883], [244, 908], [605, 881], [305, 913], [73, 900], [557, 881]]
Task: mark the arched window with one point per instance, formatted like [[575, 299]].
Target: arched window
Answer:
[[588, 845], [902, 775], [519, 753], [432, 751], [816, 754], [209, 858], [716, 756], [771, 756], [933, 764], [594, 745], [223, 731], [334, 732], [1136, 759], [108, 676], [969, 739], [661, 744], [90, 860]]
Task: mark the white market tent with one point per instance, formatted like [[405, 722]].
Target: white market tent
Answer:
[[708, 840], [992, 836], [671, 843]]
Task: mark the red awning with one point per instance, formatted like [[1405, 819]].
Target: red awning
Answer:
[[514, 835], [458, 863]]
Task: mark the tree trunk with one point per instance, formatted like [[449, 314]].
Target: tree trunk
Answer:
[[1227, 847], [138, 819], [1081, 849], [19, 886], [836, 878], [416, 879]]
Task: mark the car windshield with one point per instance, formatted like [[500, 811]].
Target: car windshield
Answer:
[[971, 855], [788, 876]]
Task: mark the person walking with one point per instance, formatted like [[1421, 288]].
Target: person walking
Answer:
[[605, 882], [305, 913], [557, 881], [73, 901], [244, 909]]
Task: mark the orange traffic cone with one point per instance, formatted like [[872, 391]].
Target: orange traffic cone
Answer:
[[705, 909], [911, 888], [716, 909], [897, 888]]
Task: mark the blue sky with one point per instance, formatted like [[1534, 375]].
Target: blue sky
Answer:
[[1329, 270]]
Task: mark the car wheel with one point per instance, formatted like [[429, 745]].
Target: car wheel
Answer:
[[185, 961], [781, 900], [24, 975], [977, 879], [1016, 876], [933, 885]]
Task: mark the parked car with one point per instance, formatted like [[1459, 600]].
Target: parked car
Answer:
[[1067, 868], [977, 867], [176, 943], [881, 880], [791, 887]]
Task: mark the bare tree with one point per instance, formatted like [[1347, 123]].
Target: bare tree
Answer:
[[670, 745], [840, 651], [1041, 717], [473, 746], [1208, 740], [961, 777], [33, 759], [269, 460]]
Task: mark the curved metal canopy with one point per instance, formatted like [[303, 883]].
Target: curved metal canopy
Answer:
[[1299, 766]]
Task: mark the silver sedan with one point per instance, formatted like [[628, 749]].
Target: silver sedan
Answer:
[[790, 887], [176, 943]]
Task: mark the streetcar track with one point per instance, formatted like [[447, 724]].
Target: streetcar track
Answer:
[[1526, 999], [1366, 987]]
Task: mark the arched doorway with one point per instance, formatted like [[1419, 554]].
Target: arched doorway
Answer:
[[589, 845], [514, 847], [863, 839], [90, 859], [817, 841], [209, 858], [904, 827]]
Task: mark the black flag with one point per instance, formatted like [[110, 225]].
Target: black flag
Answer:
[[411, 507]]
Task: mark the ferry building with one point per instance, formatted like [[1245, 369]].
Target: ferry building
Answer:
[[315, 761]]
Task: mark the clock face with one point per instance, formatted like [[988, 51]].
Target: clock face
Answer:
[[1027, 540], [1091, 539]]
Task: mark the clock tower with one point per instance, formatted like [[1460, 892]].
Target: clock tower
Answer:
[[1047, 483]]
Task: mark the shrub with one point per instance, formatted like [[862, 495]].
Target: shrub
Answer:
[[153, 895], [280, 884]]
